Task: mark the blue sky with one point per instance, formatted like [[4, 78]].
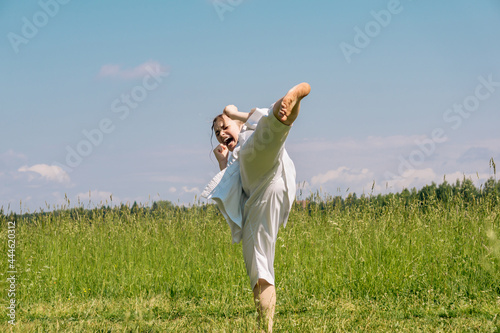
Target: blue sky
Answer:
[[403, 93]]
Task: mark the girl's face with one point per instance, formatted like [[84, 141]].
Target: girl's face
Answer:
[[226, 131]]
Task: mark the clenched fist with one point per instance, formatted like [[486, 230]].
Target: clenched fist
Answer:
[[221, 153]]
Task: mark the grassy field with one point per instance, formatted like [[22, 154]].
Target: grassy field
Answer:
[[400, 267]]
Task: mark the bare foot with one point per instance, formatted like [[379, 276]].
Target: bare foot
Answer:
[[287, 109]]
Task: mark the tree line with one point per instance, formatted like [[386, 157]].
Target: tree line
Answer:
[[445, 194]]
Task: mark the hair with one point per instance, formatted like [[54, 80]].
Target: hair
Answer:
[[219, 116], [215, 119]]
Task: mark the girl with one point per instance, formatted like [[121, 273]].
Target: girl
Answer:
[[255, 188]]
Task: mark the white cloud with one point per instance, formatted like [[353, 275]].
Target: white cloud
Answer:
[[350, 144], [10, 154], [48, 172], [475, 177], [491, 144], [11, 160], [420, 177], [343, 174], [354, 163], [395, 141], [190, 190], [172, 190], [116, 71], [96, 196], [171, 178], [413, 178], [372, 187]]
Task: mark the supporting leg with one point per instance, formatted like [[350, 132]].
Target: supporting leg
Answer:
[[265, 302]]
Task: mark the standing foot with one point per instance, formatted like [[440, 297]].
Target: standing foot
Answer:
[[265, 301], [287, 109]]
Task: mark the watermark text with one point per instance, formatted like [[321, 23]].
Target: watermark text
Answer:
[[452, 116], [223, 6], [11, 272], [122, 107], [30, 27]]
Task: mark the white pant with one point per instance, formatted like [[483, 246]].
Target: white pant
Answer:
[[265, 166]]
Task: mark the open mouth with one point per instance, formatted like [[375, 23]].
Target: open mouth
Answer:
[[228, 140]]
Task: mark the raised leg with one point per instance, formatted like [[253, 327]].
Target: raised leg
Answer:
[[287, 108]]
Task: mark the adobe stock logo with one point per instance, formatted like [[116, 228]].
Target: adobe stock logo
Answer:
[[223, 6], [30, 28], [122, 107], [372, 29], [454, 117]]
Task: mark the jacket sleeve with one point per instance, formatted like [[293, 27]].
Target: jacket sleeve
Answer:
[[254, 119]]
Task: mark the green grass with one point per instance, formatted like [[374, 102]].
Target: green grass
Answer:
[[398, 267]]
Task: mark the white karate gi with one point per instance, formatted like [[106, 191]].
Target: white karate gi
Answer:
[[256, 190]]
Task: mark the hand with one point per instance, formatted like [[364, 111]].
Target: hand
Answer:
[[231, 111], [221, 153]]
